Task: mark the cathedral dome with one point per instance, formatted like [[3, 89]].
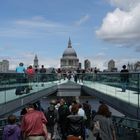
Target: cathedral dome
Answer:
[[69, 60], [69, 51]]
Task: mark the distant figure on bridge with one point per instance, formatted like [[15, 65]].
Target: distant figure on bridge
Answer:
[[12, 131], [124, 78], [20, 79], [83, 75], [95, 74], [78, 75], [42, 74], [59, 74], [69, 75], [36, 74], [30, 75], [75, 76], [20, 68], [53, 75]]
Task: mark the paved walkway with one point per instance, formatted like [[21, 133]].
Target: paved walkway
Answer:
[[91, 137]]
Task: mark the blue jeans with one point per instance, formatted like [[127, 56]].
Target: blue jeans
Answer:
[[124, 85]]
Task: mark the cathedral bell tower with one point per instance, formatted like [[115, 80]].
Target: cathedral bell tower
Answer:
[[36, 61]]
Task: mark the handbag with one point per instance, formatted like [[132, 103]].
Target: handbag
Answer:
[[96, 128]]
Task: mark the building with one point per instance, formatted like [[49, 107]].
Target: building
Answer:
[[36, 62], [130, 67], [137, 66], [69, 60], [111, 65], [87, 64], [4, 66]]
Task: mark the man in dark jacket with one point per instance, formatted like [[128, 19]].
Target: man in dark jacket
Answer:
[[52, 116], [124, 77], [63, 112], [75, 124]]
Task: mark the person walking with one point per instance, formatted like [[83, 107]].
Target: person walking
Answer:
[[75, 125], [52, 116], [33, 124], [87, 109], [12, 131], [63, 112], [102, 121]]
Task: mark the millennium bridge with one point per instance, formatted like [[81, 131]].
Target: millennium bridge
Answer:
[[16, 91]]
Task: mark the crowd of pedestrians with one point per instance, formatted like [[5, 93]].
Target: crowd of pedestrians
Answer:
[[62, 120], [34, 73]]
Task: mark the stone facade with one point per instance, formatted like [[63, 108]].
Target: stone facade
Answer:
[[4, 66], [69, 60]]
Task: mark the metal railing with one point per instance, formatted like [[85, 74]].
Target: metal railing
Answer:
[[126, 128]]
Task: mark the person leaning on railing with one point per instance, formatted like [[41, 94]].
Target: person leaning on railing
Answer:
[[124, 78]]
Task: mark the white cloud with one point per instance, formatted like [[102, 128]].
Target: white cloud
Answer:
[[82, 20], [121, 27], [38, 22], [124, 4], [33, 27]]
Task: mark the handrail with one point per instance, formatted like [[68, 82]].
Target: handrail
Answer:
[[127, 122]]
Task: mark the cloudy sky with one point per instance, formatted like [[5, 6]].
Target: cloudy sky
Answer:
[[100, 30]]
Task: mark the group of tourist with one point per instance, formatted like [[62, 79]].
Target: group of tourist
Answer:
[[29, 75], [61, 120], [77, 74]]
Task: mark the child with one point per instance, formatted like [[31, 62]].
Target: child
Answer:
[[11, 131]]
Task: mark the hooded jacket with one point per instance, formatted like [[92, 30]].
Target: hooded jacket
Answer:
[[11, 132], [75, 125]]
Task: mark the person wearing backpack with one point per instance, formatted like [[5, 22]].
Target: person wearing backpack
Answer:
[[51, 115]]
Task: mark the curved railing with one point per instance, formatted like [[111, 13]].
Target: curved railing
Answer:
[[106, 83], [111, 84], [126, 128], [15, 85]]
